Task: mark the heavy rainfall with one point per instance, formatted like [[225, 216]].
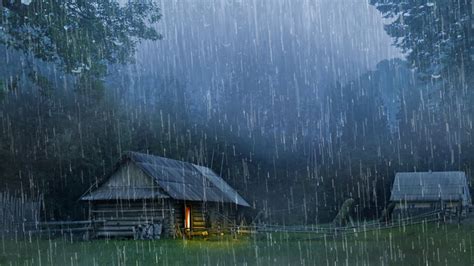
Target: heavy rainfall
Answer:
[[236, 132]]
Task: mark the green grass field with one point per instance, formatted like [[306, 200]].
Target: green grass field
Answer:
[[412, 245]]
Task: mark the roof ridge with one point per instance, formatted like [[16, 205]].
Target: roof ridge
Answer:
[[157, 157]]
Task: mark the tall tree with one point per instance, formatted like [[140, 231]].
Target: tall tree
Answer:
[[436, 35], [81, 37]]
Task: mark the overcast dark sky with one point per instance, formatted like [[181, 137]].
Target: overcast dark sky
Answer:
[[317, 42]]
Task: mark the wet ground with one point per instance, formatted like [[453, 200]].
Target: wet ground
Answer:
[[413, 245]]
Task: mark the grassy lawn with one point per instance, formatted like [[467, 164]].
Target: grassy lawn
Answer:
[[413, 245]]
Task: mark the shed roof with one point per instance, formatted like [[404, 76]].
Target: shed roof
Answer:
[[179, 180], [430, 186]]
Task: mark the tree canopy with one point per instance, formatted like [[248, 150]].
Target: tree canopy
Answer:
[[436, 35], [82, 37], [437, 38]]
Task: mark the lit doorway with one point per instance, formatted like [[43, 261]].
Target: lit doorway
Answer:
[[187, 217]]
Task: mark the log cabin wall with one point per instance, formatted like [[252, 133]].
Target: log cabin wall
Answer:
[[408, 209], [169, 224], [122, 217], [222, 216], [211, 217]]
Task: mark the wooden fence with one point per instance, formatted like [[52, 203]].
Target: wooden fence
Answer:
[[322, 231], [67, 229], [21, 216]]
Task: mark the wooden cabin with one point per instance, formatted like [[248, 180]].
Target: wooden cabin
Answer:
[[150, 197], [416, 193]]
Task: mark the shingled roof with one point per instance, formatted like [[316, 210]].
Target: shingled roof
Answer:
[[431, 186], [177, 179]]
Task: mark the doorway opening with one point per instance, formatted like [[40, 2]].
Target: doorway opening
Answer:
[[187, 217]]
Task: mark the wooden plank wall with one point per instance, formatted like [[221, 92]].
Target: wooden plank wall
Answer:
[[208, 217], [175, 220], [119, 219], [122, 218]]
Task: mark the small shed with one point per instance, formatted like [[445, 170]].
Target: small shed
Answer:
[[420, 192], [163, 197]]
